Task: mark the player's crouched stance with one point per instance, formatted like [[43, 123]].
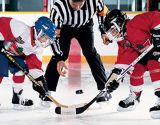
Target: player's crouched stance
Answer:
[[18, 100], [133, 37], [45, 35], [25, 45]]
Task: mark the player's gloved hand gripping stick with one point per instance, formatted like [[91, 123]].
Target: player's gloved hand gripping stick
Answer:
[[31, 78], [79, 108]]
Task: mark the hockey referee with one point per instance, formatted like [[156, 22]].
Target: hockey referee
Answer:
[[74, 18]]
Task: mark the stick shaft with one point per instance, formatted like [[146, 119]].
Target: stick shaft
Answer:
[[31, 78], [85, 107]]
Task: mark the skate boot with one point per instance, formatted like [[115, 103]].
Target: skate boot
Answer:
[[155, 110], [45, 102], [104, 98], [130, 103], [19, 101]]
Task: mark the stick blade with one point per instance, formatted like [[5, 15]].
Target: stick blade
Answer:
[[65, 111], [72, 110]]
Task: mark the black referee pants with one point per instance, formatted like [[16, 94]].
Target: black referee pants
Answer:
[[85, 37]]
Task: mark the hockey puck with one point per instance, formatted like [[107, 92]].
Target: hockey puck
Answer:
[[79, 91]]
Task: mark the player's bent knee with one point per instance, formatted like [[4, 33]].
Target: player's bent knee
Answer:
[[18, 77]]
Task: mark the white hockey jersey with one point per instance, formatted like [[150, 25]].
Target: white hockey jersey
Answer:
[[19, 40]]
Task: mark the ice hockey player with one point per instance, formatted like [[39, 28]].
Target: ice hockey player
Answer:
[[25, 45], [133, 37]]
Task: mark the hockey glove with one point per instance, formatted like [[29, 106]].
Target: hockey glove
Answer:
[[156, 38], [113, 85], [42, 89]]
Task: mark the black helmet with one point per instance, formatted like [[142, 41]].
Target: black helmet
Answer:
[[114, 25], [115, 17]]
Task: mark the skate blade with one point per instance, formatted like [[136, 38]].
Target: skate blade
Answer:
[[121, 109], [103, 104], [94, 106], [155, 114], [21, 107], [45, 104], [130, 108]]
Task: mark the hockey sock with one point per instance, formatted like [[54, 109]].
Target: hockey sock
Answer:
[[1, 79], [17, 87]]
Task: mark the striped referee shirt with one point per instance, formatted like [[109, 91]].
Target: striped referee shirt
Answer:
[[63, 14]]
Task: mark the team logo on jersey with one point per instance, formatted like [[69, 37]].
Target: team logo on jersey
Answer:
[[18, 40]]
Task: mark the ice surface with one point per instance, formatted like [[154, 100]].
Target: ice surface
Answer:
[[78, 78]]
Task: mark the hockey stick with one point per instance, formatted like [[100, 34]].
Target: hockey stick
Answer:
[[79, 110], [31, 78]]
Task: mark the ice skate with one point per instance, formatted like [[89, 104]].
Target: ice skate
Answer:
[[130, 103], [20, 102], [155, 110], [45, 102]]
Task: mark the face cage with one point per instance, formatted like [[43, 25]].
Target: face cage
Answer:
[[114, 35], [40, 34], [44, 44]]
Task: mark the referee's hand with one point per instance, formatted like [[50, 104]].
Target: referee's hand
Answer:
[[105, 39], [62, 68]]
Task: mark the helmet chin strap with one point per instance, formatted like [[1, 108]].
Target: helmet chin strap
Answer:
[[43, 44], [47, 43]]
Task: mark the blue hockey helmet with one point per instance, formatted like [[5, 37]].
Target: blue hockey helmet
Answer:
[[44, 26]]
